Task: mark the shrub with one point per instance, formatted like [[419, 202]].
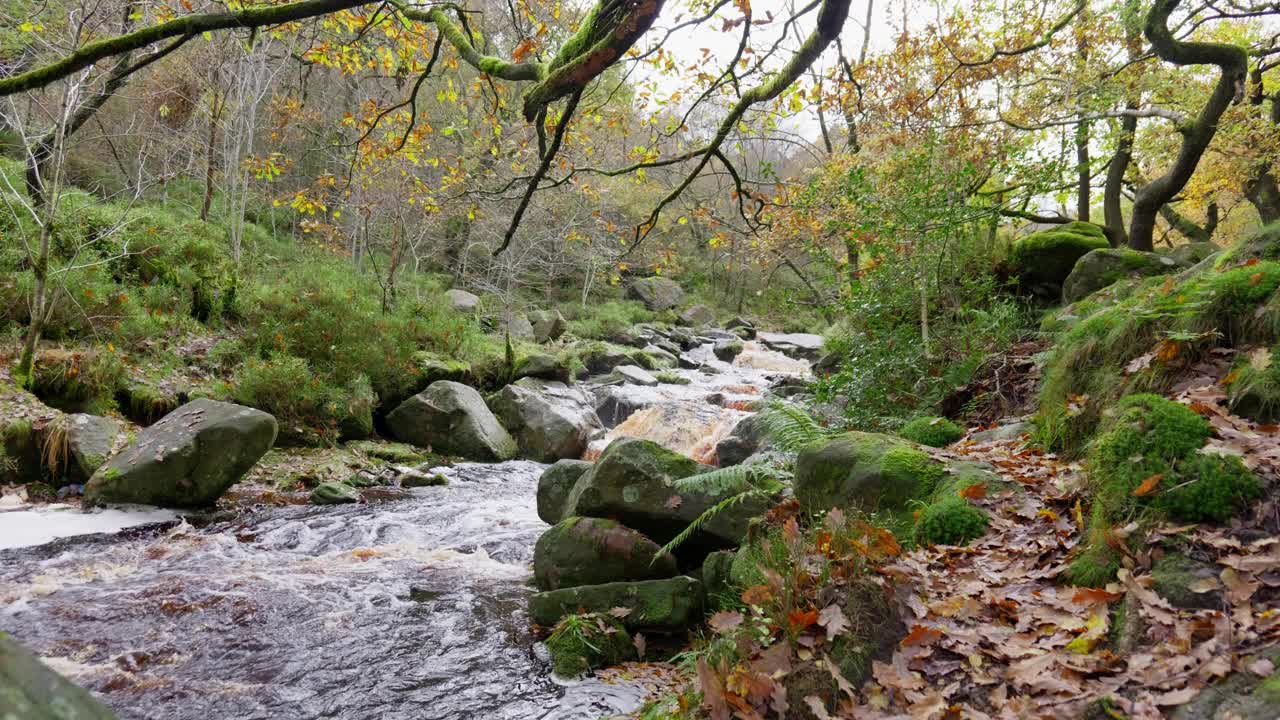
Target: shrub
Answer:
[[951, 521], [932, 431], [308, 410], [78, 381], [583, 642], [603, 320]]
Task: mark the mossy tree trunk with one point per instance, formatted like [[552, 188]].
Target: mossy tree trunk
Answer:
[[1261, 188], [1232, 63]]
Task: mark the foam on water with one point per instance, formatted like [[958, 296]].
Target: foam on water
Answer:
[[46, 523]]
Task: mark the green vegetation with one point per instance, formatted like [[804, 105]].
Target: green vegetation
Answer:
[[587, 641], [1255, 385], [951, 521], [932, 431], [1043, 260]]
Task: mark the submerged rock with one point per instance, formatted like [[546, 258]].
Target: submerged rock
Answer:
[[554, 486], [592, 551], [666, 605], [187, 459], [453, 419], [29, 690], [657, 293], [550, 420]]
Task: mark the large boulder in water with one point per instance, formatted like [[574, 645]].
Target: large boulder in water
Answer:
[[1043, 260], [667, 605], [187, 459], [1104, 266], [451, 418], [550, 420], [29, 690], [657, 293], [591, 551], [805, 346], [554, 486], [635, 480]]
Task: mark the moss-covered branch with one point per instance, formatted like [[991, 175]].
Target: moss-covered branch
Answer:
[[188, 25], [487, 64]]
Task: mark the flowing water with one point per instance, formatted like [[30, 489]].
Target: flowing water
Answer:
[[408, 606]]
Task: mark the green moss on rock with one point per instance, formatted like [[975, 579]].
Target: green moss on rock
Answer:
[[592, 551], [864, 471], [584, 642], [1043, 260], [932, 431], [668, 605]]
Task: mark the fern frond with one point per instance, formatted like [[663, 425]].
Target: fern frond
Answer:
[[708, 514], [791, 428]]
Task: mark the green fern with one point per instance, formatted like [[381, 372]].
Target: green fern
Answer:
[[791, 428]]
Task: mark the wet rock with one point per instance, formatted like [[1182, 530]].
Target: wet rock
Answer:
[[868, 471], [554, 486], [634, 375], [548, 325], [549, 420], [187, 459], [90, 440], [1104, 266], [697, 316], [633, 481], [688, 362], [657, 293], [416, 477], [682, 337], [668, 605], [727, 350], [743, 442], [29, 690], [661, 358], [616, 405], [600, 357], [453, 419], [828, 364], [334, 493], [805, 346], [1173, 575], [743, 333], [462, 301], [592, 551], [740, 321]]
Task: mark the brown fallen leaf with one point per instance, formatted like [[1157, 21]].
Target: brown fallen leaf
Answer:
[[920, 635], [1146, 487], [832, 619], [724, 621]]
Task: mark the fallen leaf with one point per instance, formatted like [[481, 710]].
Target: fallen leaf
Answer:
[[921, 635], [977, 491], [639, 641], [801, 619], [724, 621], [1146, 487], [673, 502], [832, 619]]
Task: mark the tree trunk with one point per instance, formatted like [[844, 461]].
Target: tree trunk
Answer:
[[210, 152], [1232, 63], [1261, 188], [1083, 177]]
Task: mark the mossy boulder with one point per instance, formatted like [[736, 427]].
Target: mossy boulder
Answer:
[[554, 486], [697, 316], [727, 350], [1173, 575], [579, 643], [593, 551], [453, 419], [635, 480], [29, 690], [864, 471], [932, 431], [90, 441], [334, 493], [667, 605], [657, 293], [549, 419], [1043, 260], [717, 579], [1102, 267], [187, 459], [1241, 695]]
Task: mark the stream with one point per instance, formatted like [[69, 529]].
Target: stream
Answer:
[[407, 607]]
